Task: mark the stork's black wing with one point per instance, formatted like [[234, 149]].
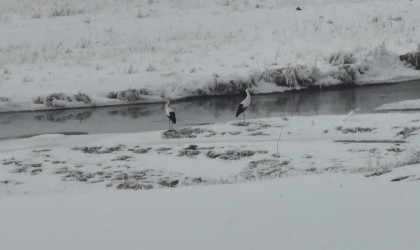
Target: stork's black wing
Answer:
[[241, 109], [172, 117]]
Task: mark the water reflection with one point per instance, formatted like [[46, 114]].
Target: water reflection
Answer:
[[132, 112], [63, 116], [148, 117]]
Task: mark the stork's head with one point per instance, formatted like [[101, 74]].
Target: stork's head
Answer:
[[167, 101]]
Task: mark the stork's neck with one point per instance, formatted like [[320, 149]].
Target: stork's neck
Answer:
[[247, 93]]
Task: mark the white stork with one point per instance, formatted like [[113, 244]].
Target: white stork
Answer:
[[244, 104], [170, 113]]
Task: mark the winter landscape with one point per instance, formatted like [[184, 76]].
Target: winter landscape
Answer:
[[346, 179]]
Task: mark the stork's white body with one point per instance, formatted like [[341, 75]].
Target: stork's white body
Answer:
[[244, 104], [168, 109]]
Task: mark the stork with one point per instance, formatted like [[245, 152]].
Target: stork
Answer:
[[170, 113], [244, 104]]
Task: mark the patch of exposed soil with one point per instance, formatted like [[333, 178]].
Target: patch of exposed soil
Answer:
[[407, 132], [265, 168], [188, 132], [98, 149], [232, 154], [355, 130]]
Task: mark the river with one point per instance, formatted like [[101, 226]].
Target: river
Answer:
[[148, 117]]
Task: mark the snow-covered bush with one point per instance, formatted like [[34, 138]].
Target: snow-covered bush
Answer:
[[81, 97], [341, 58], [292, 76], [54, 100], [412, 59], [131, 70], [4, 99], [346, 74], [61, 100], [129, 95]]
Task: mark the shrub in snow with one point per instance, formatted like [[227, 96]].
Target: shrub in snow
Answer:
[[226, 88], [134, 185], [230, 154], [38, 100], [53, 100], [98, 149], [129, 95], [396, 18], [66, 10], [169, 183], [346, 74], [190, 151], [221, 86], [355, 130], [412, 59], [376, 19], [163, 149], [140, 150], [187, 132], [4, 99], [150, 68], [78, 175], [292, 76], [265, 168], [193, 181], [59, 100], [131, 70], [81, 97], [341, 58], [407, 132]]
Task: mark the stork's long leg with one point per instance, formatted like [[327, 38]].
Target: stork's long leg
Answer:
[[244, 116], [169, 122]]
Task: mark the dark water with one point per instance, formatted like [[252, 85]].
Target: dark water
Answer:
[[149, 117]]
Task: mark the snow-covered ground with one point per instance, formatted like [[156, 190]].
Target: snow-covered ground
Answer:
[[212, 154], [320, 182], [327, 211], [90, 51], [314, 182], [403, 105]]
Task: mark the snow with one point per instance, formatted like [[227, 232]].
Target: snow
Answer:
[[403, 105], [328, 211], [315, 191], [313, 182], [176, 49], [214, 154]]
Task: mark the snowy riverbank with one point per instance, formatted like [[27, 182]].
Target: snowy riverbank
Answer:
[[333, 182], [71, 53], [403, 105], [213, 154]]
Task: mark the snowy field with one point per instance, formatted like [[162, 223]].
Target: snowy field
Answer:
[[290, 182], [68, 53], [320, 182]]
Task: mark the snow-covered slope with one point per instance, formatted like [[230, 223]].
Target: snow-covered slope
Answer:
[[91, 51]]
